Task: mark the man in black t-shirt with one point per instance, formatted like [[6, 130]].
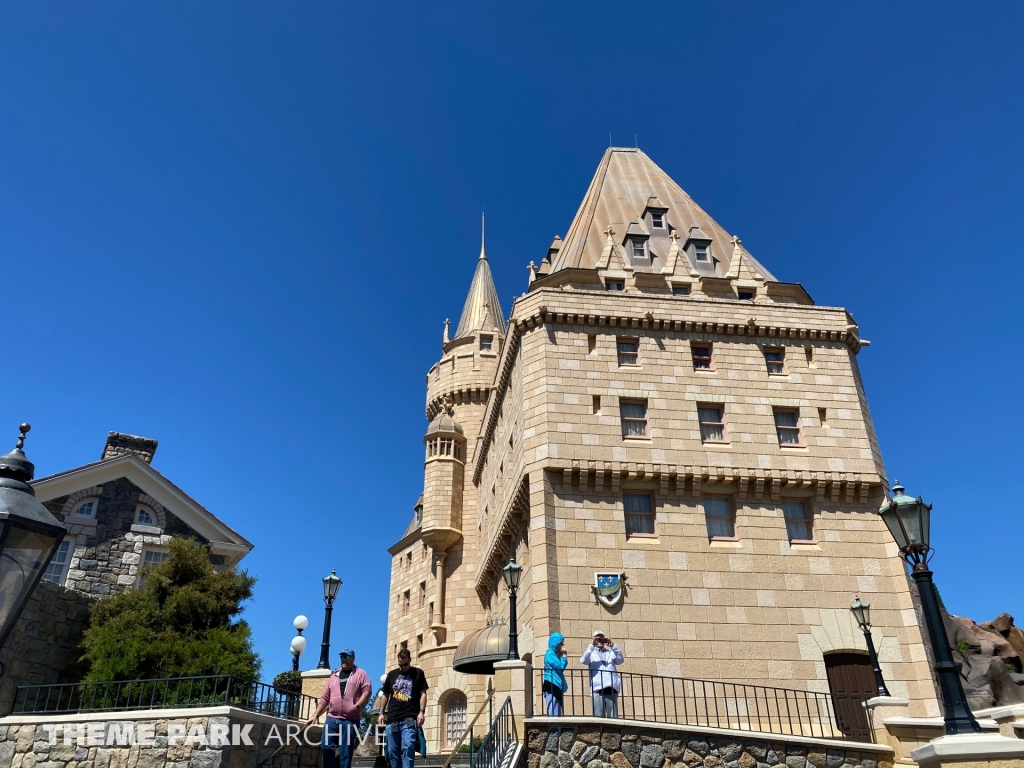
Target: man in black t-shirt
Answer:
[[405, 701]]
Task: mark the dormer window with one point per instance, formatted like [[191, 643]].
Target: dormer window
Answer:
[[658, 220], [681, 290], [639, 251], [747, 295], [144, 515], [86, 508], [701, 252], [614, 285], [486, 342]]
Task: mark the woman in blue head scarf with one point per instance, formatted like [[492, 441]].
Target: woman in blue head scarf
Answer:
[[554, 685]]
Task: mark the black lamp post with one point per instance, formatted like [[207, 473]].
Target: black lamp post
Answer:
[[29, 535], [512, 573], [331, 586], [909, 521], [298, 644], [862, 612]]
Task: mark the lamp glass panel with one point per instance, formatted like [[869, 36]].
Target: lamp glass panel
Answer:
[[331, 585], [910, 516], [511, 573], [861, 612], [891, 519], [22, 560], [926, 523]]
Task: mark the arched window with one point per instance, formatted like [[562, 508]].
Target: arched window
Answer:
[[86, 508], [454, 717], [144, 515]]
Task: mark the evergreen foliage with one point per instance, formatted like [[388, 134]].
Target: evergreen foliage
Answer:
[[181, 623]]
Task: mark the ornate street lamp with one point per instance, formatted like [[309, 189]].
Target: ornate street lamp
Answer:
[[331, 586], [512, 573], [29, 536], [298, 642], [862, 613], [909, 521]]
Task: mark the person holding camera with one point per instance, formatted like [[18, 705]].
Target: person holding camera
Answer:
[[602, 657]]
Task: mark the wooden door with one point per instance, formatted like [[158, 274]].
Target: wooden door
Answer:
[[852, 682]]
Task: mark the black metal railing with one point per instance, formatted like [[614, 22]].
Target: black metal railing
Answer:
[[166, 693], [501, 737], [656, 699]]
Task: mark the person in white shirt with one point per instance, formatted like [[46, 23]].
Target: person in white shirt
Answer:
[[603, 656]]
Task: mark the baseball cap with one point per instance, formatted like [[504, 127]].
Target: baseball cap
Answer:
[[596, 633], [348, 652]]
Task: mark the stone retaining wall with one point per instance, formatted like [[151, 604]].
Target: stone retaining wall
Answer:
[[591, 743], [25, 742], [44, 646]]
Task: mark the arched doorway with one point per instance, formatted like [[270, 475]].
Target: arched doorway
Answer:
[[851, 681]]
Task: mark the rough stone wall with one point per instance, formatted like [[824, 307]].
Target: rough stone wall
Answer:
[[44, 646], [109, 547], [621, 747], [26, 746]]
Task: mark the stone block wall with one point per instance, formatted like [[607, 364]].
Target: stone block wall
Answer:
[[44, 646], [27, 744], [596, 745]]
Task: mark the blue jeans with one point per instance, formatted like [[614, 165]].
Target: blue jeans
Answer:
[[403, 738], [340, 734]]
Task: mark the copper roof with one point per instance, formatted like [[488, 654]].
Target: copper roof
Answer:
[[482, 308], [477, 653], [625, 182]]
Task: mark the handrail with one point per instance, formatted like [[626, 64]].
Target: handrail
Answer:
[[469, 727], [501, 735]]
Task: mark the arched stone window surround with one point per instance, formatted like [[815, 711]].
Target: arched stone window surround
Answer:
[[449, 682], [77, 496], [158, 509]]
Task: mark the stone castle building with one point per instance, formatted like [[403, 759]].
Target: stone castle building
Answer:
[[658, 405]]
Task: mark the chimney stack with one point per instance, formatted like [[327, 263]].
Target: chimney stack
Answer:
[[118, 444]]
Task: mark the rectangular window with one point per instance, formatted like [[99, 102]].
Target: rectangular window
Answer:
[[419, 643], [701, 355], [423, 593], [658, 220], [591, 343], [405, 602], [787, 426], [152, 558], [639, 514], [485, 343], [614, 285], [408, 561], [798, 522], [597, 405], [681, 290], [57, 570], [638, 249], [809, 354], [775, 359], [823, 417], [712, 426], [634, 417], [404, 646], [629, 351], [426, 551], [701, 251], [430, 614], [720, 517], [745, 295]]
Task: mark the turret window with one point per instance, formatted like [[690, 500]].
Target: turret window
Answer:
[[614, 285], [701, 252], [486, 342]]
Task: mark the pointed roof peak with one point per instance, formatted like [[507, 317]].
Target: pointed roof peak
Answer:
[[482, 309], [483, 236]]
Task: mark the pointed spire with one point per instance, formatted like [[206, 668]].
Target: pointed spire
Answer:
[[481, 309], [483, 237], [447, 322]]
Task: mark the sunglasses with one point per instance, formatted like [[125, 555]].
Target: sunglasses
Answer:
[[346, 656]]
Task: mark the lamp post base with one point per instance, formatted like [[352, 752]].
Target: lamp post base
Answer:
[[973, 749]]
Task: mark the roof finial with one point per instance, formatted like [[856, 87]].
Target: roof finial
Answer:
[[24, 429], [483, 236], [447, 322]]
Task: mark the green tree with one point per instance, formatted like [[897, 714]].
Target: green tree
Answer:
[[182, 622]]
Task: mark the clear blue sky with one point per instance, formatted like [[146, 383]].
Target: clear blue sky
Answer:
[[238, 228]]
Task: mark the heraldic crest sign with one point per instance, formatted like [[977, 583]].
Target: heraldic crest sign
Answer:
[[608, 587]]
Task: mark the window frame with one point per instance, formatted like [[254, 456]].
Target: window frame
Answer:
[[653, 514], [657, 220], [641, 243], [94, 500], [721, 415], [705, 249], [406, 602], [142, 562], [454, 725], [150, 513], [619, 353], [620, 285], [486, 342], [680, 290], [798, 429], [741, 297], [623, 420], [69, 544], [710, 356], [781, 362], [731, 501], [807, 519], [423, 595]]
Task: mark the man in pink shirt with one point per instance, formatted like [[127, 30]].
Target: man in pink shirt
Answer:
[[348, 689]]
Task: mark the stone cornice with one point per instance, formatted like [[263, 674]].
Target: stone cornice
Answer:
[[502, 543]]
